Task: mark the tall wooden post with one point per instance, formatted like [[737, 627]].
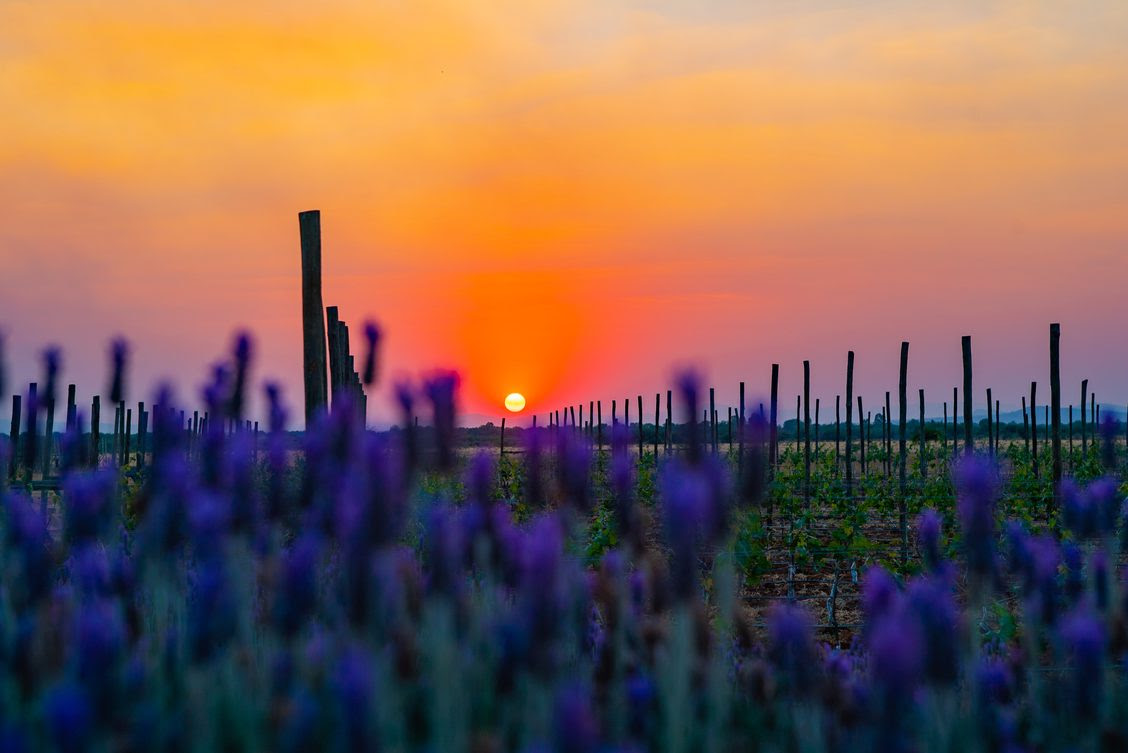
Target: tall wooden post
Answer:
[[992, 430], [849, 423], [806, 431], [14, 437], [1034, 427], [72, 407], [923, 441], [640, 424], [501, 449], [332, 318], [773, 450], [969, 442], [903, 417], [657, 415], [313, 321], [1084, 402], [95, 429], [837, 430]]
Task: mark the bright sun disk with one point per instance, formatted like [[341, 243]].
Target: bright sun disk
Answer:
[[515, 402]]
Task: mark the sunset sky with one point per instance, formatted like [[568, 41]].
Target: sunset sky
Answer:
[[571, 199]]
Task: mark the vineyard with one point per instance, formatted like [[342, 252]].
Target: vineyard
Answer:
[[200, 584]]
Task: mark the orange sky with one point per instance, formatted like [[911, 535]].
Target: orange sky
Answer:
[[570, 198]]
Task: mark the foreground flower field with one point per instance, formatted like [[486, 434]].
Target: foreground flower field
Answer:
[[375, 592]]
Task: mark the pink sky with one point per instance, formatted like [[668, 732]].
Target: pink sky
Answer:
[[572, 199]]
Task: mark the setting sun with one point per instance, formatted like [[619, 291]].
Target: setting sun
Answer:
[[515, 402]]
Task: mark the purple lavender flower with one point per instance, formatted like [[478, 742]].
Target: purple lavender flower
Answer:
[[930, 601], [296, 595], [573, 464], [1106, 501], [1084, 634], [90, 498], [372, 338], [542, 582], [1078, 511], [576, 729], [896, 661], [1074, 574], [754, 471], [211, 610], [69, 718], [879, 594], [791, 647], [689, 387], [977, 484], [1042, 587], [119, 352], [928, 536], [30, 538], [99, 643], [277, 411], [353, 687], [685, 504], [994, 682], [443, 549]]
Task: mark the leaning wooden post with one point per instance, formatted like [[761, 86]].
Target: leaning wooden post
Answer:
[[72, 407], [640, 425], [48, 433], [142, 430], [807, 432], [14, 437], [849, 423], [669, 421], [95, 429], [713, 417], [740, 433], [598, 426], [332, 317], [1034, 427], [1084, 402], [501, 448], [969, 441], [125, 437], [313, 320], [773, 450]]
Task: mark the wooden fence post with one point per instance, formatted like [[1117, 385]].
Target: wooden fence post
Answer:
[[1025, 425], [313, 321], [599, 426], [992, 431], [1084, 402], [332, 318], [837, 431], [773, 450], [640, 425], [849, 423], [740, 433], [1034, 427], [955, 421], [72, 407], [862, 436], [969, 440], [923, 441], [669, 421], [657, 415], [713, 417], [501, 449], [1055, 407], [806, 432], [903, 416], [14, 437], [95, 430]]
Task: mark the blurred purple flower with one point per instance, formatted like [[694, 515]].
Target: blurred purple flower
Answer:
[[89, 503], [573, 464], [879, 594], [296, 595], [1084, 635], [931, 602], [576, 729], [976, 481], [685, 506], [353, 687], [791, 647], [69, 718], [928, 535]]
